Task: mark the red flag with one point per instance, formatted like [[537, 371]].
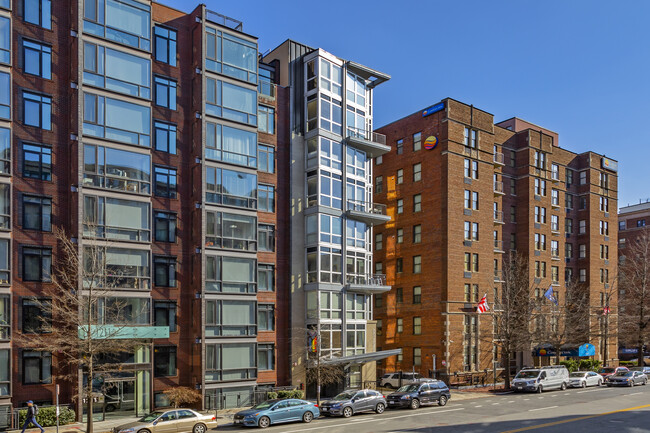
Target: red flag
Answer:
[[482, 306], [606, 311]]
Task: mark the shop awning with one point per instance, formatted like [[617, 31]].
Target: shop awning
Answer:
[[583, 350]]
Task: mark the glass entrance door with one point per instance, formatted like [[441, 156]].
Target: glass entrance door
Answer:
[[119, 398]]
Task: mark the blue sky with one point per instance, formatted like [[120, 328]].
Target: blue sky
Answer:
[[580, 68]]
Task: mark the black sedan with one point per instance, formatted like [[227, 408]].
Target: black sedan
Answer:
[[417, 394], [628, 378]]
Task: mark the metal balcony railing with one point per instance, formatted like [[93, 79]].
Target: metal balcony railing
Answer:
[[498, 187], [498, 245], [498, 216], [367, 207], [374, 137], [223, 20], [367, 280], [499, 158], [555, 253]]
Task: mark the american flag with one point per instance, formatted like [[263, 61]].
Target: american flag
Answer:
[[606, 311], [482, 306]]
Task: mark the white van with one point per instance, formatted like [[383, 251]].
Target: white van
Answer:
[[541, 379]]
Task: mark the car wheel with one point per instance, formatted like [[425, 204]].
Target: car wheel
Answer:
[[144, 431], [540, 389], [415, 403], [563, 386], [307, 417], [264, 422], [199, 428], [110, 408], [583, 384], [442, 400], [600, 382], [380, 408], [645, 382], [347, 412]]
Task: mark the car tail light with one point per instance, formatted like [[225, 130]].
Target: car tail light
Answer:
[[315, 405], [214, 418]]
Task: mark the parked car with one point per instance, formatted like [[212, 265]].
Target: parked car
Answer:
[[277, 411], [416, 394], [584, 379], [606, 372], [627, 378], [391, 380], [644, 370], [541, 379], [354, 401], [176, 420]]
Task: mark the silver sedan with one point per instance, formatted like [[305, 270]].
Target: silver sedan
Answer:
[[583, 379], [354, 401]]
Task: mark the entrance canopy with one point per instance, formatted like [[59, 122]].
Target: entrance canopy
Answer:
[[362, 358]]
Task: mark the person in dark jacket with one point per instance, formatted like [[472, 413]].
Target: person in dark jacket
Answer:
[[31, 417]]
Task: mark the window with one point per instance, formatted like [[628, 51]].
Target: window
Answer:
[[400, 205], [331, 305], [417, 294], [165, 181], [513, 158], [555, 172], [583, 227], [513, 187], [234, 361], [568, 201], [266, 119], [119, 268], [540, 187], [164, 361], [417, 356], [603, 180], [568, 250], [379, 184], [109, 168], [266, 85], [399, 265], [123, 21], [400, 146], [400, 176], [230, 274], [37, 264], [582, 277], [555, 197], [117, 120], [232, 145], [555, 274], [417, 203], [417, 234], [569, 177], [622, 225], [266, 158], [5, 96], [471, 231], [266, 237], [165, 92], [165, 137], [37, 59], [5, 326], [568, 225], [555, 223], [540, 160], [400, 326], [266, 277], [164, 313], [5, 39], [470, 138], [36, 315], [37, 367], [38, 12], [266, 198], [474, 262], [231, 101], [583, 203], [468, 262], [417, 325], [378, 301], [37, 110], [583, 177], [165, 43], [165, 226], [582, 248], [265, 357], [37, 213], [330, 114], [471, 168], [400, 236], [417, 141], [5, 387], [399, 295], [231, 231], [604, 204], [230, 318], [417, 172], [265, 317], [417, 264], [164, 271], [231, 55], [604, 228]]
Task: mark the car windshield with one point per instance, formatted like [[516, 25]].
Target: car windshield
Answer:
[[152, 416], [265, 404], [577, 375], [344, 396], [606, 370], [408, 388], [528, 374], [625, 373]]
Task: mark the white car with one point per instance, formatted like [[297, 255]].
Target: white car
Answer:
[[583, 379]]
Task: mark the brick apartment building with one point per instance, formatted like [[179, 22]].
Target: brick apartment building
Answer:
[[160, 128], [631, 222], [458, 206]]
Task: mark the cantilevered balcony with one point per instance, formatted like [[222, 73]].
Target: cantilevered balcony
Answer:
[[498, 188], [373, 143], [367, 212], [498, 217], [498, 159], [370, 284]]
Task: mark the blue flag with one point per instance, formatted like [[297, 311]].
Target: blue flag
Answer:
[[549, 295]]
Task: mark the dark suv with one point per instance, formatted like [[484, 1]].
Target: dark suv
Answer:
[[417, 394]]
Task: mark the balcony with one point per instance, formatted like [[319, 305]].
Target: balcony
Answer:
[[223, 20], [266, 89], [498, 158], [498, 246], [498, 217], [373, 143], [498, 188], [367, 212], [369, 284]]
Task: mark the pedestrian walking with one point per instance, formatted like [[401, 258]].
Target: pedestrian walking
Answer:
[[32, 411]]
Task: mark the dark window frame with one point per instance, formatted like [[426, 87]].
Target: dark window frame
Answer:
[[170, 177], [37, 310], [43, 51], [167, 351], [171, 265], [170, 42], [45, 226], [41, 4], [171, 219], [43, 252], [41, 356], [170, 308], [167, 128]]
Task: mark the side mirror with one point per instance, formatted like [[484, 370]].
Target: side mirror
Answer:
[[353, 400], [155, 422]]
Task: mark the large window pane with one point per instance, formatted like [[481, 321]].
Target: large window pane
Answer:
[[231, 55], [5, 95], [230, 318], [116, 70], [117, 120], [109, 168], [124, 311], [230, 274], [119, 219], [231, 231], [116, 268], [231, 101], [127, 22], [231, 188], [233, 145], [5, 40]]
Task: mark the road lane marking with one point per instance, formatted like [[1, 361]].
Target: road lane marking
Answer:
[[542, 408], [636, 393], [374, 419], [494, 404], [480, 405], [526, 399], [511, 401], [549, 424], [591, 390]]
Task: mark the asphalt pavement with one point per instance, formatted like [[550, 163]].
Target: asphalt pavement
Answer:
[[597, 409]]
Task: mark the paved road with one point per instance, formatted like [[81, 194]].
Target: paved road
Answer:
[[617, 410]]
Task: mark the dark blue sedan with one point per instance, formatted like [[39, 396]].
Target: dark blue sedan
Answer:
[[277, 411]]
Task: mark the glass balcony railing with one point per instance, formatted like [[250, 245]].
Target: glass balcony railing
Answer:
[[374, 137], [367, 280], [498, 158], [498, 217], [266, 88], [498, 187], [223, 20], [367, 207]]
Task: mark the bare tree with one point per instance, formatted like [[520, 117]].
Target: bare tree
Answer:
[[634, 299], [82, 324], [513, 310]]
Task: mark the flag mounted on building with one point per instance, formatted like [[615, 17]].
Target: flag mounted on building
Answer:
[[482, 306], [550, 296], [606, 311]]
